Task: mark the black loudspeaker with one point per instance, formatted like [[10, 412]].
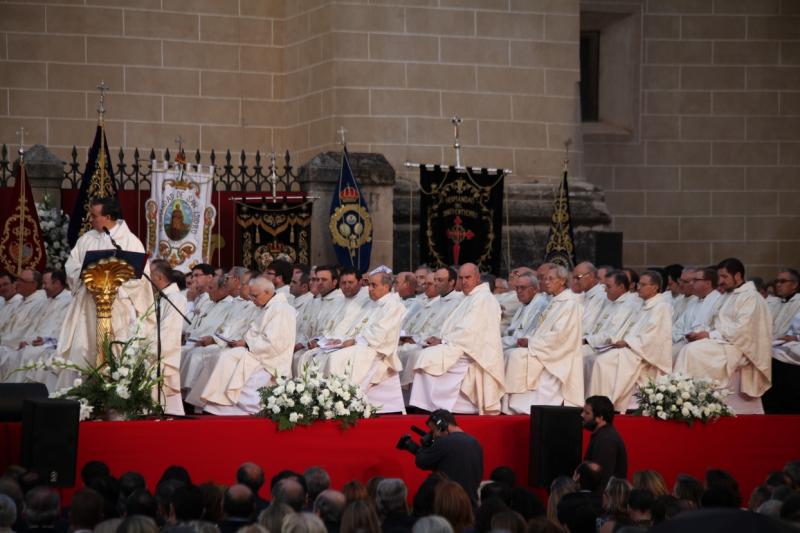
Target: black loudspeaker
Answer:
[[50, 439], [13, 394], [608, 248], [556, 440]]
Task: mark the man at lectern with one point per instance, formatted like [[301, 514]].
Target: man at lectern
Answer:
[[77, 340]]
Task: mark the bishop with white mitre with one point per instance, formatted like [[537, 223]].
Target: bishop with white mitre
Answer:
[[546, 367], [461, 370]]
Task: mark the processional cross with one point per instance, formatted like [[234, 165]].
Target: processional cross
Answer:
[[456, 120], [342, 135], [103, 88], [458, 234]]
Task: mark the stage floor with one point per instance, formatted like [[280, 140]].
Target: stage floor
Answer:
[[211, 448]]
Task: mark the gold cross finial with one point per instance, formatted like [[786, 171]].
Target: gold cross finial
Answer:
[[342, 135], [567, 144], [103, 88]]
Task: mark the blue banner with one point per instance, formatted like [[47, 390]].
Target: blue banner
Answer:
[[350, 223]]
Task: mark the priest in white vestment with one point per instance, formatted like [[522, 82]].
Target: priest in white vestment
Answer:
[[417, 313], [427, 322], [11, 299], [279, 272], [302, 295], [616, 318], [349, 316], [171, 327], [405, 285], [461, 369], [784, 396], [526, 319], [645, 351], [134, 301], [509, 302], [230, 386], [40, 340], [202, 283], [737, 351], [586, 282], [322, 310], [34, 300], [700, 310], [369, 354], [546, 367]]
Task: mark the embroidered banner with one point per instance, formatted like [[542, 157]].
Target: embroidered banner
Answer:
[[273, 229], [461, 217], [21, 242], [561, 244], [179, 214], [350, 223]]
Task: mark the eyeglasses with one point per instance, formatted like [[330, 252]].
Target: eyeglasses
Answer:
[[520, 288], [581, 276]]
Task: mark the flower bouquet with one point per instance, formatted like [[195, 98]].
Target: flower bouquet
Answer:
[[54, 225], [679, 397], [121, 387], [310, 397]]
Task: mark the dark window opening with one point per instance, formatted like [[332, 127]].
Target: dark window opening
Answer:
[[590, 76]]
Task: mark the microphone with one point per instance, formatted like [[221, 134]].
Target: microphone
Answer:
[[117, 246]]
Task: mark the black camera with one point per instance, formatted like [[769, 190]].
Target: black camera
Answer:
[[407, 443]]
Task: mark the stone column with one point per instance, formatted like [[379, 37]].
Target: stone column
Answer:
[[376, 177]]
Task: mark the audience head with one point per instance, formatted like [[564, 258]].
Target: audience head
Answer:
[[640, 505], [261, 291], [238, 502], [759, 495], [317, 481], [688, 489], [665, 508], [187, 504], [8, 512], [555, 280], [349, 282], [430, 286], [672, 275], [495, 490], [302, 523], [588, 475], [452, 502], [615, 496], [391, 497], [141, 502], [559, 487], [423, 499], [432, 524], [137, 524], [92, 470], [86, 510], [360, 517], [577, 513], [290, 492], [202, 276], [212, 501], [329, 506], [510, 521], [273, 516], [504, 474], [716, 478], [252, 475], [42, 506], [354, 491], [421, 274], [650, 480], [8, 285], [686, 281], [633, 278], [598, 411]]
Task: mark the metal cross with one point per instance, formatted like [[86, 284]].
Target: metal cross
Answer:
[[179, 141], [342, 135], [21, 136], [103, 88], [567, 144], [456, 120]]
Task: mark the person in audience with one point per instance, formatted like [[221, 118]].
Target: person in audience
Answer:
[[137, 524], [451, 502], [252, 475], [213, 496], [8, 513], [652, 481], [510, 521], [432, 524], [290, 492], [360, 517], [86, 510], [142, 502], [41, 511], [640, 507], [391, 501], [317, 481], [688, 490], [272, 518], [559, 487], [301, 523], [237, 507], [606, 446], [329, 506], [615, 504]]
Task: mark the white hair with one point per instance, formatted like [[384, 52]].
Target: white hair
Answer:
[[262, 284], [561, 272]]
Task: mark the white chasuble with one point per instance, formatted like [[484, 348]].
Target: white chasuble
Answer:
[[376, 341], [553, 348], [8, 310], [509, 304], [77, 338], [171, 329], [525, 321], [594, 301], [472, 330], [786, 323], [616, 372], [740, 338], [270, 341], [19, 327]]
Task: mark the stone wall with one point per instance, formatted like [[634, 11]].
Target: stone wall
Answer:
[[713, 167]]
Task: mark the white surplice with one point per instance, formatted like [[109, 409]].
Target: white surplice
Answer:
[[617, 372], [594, 301], [77, 339], [509, 304], [740, 340], [787, 323], [525, 320], [8, 310], [21, 324], [552, 358], [470, 335], [270, 341], [373, 359], [171, 329]]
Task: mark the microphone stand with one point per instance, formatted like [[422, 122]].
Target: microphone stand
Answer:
[[158, 314]]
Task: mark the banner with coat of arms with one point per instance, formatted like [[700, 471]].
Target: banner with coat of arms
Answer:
[[179, 214], [461, 216], [270, 230], [21, 243]]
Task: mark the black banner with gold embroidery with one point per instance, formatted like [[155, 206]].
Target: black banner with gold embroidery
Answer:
[[461, 217], [561, 243], [271, 229], [97, 182], [21, 242]]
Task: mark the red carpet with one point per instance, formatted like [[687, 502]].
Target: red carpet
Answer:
[[213, 447]]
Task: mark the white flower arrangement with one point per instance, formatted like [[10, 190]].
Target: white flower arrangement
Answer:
[[123, 383], [54, 225], [679, 397], [311, 397]]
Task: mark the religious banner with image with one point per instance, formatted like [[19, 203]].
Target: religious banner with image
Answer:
[[461, 216], [270, 230], [179, 214], [560, 247], [21, 243]]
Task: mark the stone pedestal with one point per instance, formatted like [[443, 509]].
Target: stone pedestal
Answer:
[[45, 172], [529, 207], [376, 177]]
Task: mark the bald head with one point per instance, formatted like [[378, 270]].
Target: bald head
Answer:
[[405, 285], [469, 276], [584, 277]]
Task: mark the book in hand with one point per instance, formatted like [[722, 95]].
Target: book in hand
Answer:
[[604, 348], [223, 338], [330, 345]]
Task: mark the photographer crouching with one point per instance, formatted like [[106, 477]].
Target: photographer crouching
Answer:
[[448, 449]]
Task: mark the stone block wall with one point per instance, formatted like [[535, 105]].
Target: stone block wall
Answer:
[[713, 168]]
